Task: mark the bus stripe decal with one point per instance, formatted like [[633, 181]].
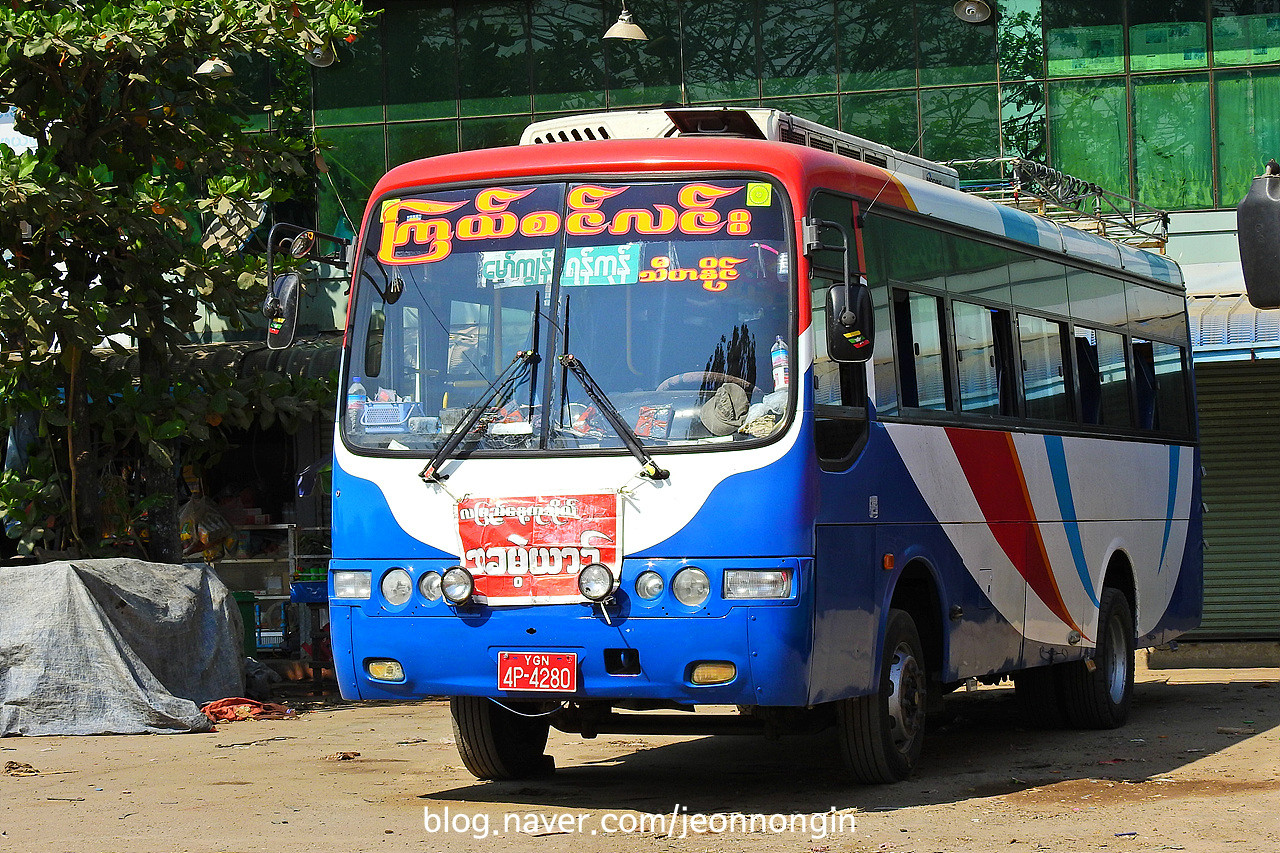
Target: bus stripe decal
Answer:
[[990, 462], [1067, 507], [1174, 453]]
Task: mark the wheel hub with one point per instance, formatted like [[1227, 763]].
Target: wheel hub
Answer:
[[906, 697]]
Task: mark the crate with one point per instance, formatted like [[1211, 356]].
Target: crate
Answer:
[[388, 417]]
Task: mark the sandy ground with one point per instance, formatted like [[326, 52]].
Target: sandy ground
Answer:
[[1196, 769]]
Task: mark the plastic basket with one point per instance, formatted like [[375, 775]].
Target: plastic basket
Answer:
[[389, 417]]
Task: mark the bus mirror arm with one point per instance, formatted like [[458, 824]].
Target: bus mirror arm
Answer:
[[281, 305], [850, 313]]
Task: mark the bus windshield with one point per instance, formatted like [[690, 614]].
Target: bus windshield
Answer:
[[674, 296]]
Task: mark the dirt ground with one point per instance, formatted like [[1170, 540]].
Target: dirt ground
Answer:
[[1196, 769]]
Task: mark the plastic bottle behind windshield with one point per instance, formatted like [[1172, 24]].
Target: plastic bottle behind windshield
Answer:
[[356, 400], [781, 371]]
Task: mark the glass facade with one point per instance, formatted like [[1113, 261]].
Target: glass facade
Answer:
[[1170, 102]]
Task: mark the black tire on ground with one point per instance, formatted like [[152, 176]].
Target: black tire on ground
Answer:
[[881, 735], [1039, 698], [495, 743], [1096, 693]]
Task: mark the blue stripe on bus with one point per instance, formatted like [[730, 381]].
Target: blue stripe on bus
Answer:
[[1067, 507], [1174, 452], [1019, 226]]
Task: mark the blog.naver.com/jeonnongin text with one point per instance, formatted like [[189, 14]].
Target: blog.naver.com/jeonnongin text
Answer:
[[677, 823]]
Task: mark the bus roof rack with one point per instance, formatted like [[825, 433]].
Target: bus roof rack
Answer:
[[750, 123], [1036, 188]]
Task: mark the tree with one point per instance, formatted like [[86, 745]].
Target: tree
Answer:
[[142, 142]]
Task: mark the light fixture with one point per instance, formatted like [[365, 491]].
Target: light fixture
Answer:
[[321, 56], [624, 28], [214, 69], [972, 11]]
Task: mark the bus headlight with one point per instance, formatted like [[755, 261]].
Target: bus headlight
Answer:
[[397, 587], [457, 585], [691, 586], [352, 584], [429, 586], [649, 585], [595, 582], [757, 583]]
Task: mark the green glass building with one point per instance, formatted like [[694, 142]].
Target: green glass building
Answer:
[[1175, 103]]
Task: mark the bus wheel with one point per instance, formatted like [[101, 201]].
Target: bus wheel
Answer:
[[881, 734], [496, 743], [1096, 693]]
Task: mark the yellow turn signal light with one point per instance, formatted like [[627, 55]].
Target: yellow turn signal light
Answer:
[[713, 672]]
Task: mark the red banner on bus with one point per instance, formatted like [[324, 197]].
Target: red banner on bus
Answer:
[[529, 550]]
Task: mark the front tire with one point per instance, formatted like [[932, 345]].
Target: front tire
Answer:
[[1096, 694], [881, 735], [495, 743]]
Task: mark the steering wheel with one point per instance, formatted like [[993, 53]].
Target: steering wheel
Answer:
[[701, 377]]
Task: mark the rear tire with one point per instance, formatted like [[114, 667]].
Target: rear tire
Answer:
[[881, 735], [1096, 693], [495, 743]]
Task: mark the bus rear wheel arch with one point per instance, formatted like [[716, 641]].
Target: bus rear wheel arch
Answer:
[[496, 742]]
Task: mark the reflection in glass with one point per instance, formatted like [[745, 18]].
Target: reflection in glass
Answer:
[[1088, 131], [951, 50], [415, 140], [960, 123], [1084, 38], [356, 162], [1248, 134], [1020, 43], [350, 90], [877, 45], [1039, 284], [1103, 378], [421, 41], [493, 66], [720, 50], [1044, 382], [647, 73], [890, 118], [568, 62], [977, 362], [1166, 35], [798, 49], [819, 108], [1155, 312], [921, 351], [1171, 140], [1246, 32], [1098, 298], [491, 132]]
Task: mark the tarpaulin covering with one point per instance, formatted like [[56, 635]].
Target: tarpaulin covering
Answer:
[[114, 646]]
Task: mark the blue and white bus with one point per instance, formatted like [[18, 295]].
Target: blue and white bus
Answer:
[[749, 413]]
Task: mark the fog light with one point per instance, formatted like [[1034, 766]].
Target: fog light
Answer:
[[352, 584], [385, 670], [649, 585], [457, 585], [595, 581], [691, 586], [755, 583], [397, 587], [713, 672], [429, 586]]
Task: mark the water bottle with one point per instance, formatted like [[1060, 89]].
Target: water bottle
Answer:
[[781, 371], [356, 399]]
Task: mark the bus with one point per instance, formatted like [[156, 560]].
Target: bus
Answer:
[[725, 413]]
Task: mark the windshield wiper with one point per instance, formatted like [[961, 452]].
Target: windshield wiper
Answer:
[[648, 467], [499, 389]]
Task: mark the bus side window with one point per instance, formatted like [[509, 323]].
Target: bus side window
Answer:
[[1104, 378], [1144, 385], [922, 362], [984, 349]]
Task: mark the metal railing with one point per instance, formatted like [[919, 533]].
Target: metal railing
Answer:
[[1037, 188]]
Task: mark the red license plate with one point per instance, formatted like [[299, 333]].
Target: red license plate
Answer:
[[548, 672]]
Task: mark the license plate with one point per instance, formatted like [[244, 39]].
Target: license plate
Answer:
[[548, 672]]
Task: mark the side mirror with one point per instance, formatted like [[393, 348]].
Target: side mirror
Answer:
[[281, 310], [1258, 230], [850, 323]]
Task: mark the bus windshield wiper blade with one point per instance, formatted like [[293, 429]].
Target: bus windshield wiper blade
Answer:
[[648, 467], [499, 389]]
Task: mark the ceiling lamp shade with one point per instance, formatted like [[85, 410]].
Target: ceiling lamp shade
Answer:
[[624, 28]]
